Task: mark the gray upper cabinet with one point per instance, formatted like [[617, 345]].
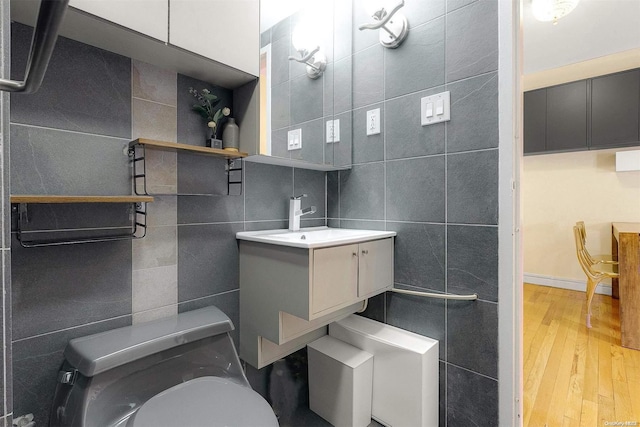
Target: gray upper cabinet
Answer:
[[535, 121], [567, 117], [615, 109], [603, 112]]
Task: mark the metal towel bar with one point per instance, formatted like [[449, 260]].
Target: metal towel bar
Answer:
[[44, 39], [471, 297]]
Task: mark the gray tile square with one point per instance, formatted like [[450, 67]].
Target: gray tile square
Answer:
[[72, 285], [362, 224], [280, 61], [154, 288], [424, 316], [418, 63], [472, 187], [328, 83], [36, 362], [199, 174], [442, 398], [472, 40], [362, 39], [457, 4], [280, 112], [154, 83], [362, 192], [266, 225], [161, 170], [342, 29], [472, 336], [419, 12], [49, 161], [343, 150], [312, 183], [333, 223], [268, 190], [192, 128], [416, 189], [313, 142], [207, 209], [333, 194], [153, 121], [474, 114], [471, 399], [281, 29], [306, 99], [163, 211], [227, 302], [368, 76], [85, 89], [279, 143], [197, 279], [367, 148], [404, 133], [265, 38], [343, 85], [472, 261], [158, 248], [313, 222], [419, 255]]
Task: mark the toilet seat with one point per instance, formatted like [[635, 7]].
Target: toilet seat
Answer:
[[205, 401]]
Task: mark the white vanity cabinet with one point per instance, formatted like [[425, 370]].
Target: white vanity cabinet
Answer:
[[288, 294], [149, 17], [227, 31]]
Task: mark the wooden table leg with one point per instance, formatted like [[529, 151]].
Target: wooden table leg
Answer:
[[615, 290], [629, 268]]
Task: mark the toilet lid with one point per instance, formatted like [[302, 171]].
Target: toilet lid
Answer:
[[205, 401]]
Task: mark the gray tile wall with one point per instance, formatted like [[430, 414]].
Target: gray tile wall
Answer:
[[436, 186], [64, 144], [6, 377]]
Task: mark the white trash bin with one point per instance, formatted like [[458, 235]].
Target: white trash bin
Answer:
[[340, 382]]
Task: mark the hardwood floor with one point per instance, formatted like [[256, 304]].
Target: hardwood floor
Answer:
[[574, 376]]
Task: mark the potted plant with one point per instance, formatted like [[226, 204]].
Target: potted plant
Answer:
[[207, 109]]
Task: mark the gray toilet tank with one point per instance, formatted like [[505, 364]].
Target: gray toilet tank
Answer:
[[107, 377]]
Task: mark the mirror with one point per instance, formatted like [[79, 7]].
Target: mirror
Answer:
[[301, 94]]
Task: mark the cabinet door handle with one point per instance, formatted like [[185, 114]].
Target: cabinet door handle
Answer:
[[365, 252], [355, 254]]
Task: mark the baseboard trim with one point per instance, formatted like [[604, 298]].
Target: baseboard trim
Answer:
[[555, 282]]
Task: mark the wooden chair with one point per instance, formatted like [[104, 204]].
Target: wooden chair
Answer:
[[594, 275], [598, 259]]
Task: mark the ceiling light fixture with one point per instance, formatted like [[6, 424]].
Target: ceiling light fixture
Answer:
[[552, 10]]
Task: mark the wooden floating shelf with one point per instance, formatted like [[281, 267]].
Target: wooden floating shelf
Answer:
[[187, 147], [28, 198]]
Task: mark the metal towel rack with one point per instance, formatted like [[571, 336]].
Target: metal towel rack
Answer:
[[471, 297], [44, 40]]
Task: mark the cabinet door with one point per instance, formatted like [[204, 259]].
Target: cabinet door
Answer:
[[375, 270], [615, 109], [567, 117], [335, 277], [227, 31], [535, 121], [149, 17]]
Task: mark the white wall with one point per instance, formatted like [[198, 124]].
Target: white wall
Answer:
[[595, 28], [560, 189]]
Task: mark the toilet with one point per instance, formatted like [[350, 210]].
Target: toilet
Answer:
[[178, 371]]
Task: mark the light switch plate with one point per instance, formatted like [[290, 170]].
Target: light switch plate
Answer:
[[333, 131], [439, 111], [294, 139], [373, 122]]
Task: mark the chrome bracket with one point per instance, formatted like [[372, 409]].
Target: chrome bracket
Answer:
[[68, 377]]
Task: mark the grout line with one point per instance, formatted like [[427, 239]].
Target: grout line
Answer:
[[473, 372], [72, 328], [208, 296], [119, 138], [151, 101]]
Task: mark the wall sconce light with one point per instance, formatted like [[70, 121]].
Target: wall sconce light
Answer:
[[392, 24], [304, 42], [552, 10]]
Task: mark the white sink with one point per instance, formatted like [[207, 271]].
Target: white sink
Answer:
[[313, 237]]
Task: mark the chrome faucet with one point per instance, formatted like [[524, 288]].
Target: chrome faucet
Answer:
[[295, 212]]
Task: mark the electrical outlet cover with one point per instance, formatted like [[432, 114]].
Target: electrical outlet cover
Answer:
[[294, 139], [373, 122]]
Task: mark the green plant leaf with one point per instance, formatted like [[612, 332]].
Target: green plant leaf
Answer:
[[217, 115], [209, 96], [201, 110]]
